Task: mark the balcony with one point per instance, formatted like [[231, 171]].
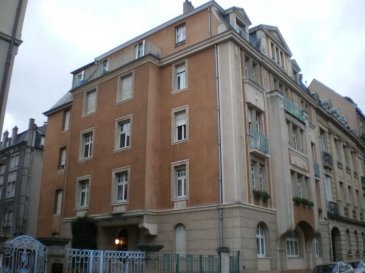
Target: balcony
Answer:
[[332, 208], [96, 69], [258, 142], [317, 171], [293, 109], [327, 160]]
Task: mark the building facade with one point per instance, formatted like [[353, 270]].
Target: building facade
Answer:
[[196, 138], [21, 156], [11, 23]]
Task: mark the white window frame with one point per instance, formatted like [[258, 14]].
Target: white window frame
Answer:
[[66, 120], [175, 167], [58, 202], [123, 184], [122, 93], [180, 240], [292, 245], [140, 49], [179, 125], [119, 125], [79, 77], [83, 193], [180, 31], [62, 158], [90, 106], [260, 241], [83, 144], [180, 76], [105, 66]]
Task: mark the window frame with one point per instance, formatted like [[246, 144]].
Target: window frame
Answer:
[[124, 184], [176, 166], [14, 162], [175, 77], [86, 111], [11, 185], [105, 66], [66, 120], [80, 192], [175, 127], [293, 245], [82, 144], [260, 241], [58, 202], [139, 50], [118, 133], [62, 159], [119, 93], [180, 36]]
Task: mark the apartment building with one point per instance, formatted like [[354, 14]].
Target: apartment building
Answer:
[[196, 138], [11, 23], [21, 159]]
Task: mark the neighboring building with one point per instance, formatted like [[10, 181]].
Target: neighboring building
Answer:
[[199, 134], [11, 23], [21, 159]]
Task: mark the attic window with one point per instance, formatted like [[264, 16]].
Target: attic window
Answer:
[[241, 28]]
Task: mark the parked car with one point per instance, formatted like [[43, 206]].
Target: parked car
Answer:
[[336, 267], [359, 266]]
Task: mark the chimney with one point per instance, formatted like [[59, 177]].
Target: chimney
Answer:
[[188, 6], [14, 135], [5, 139]]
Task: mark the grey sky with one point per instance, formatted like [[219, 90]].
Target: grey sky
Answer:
[[326, 37]]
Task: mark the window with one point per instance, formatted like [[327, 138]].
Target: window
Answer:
[[258, 176], [180, 130], [90, 102], [255, 120], [180, 179], [260, 241], [14, 161], [348, 238], [58, 202], [83, 193], [300, 185], [10, 186], [316, 248], [123, 135], [121, 178], [292, 245], [86, 145], [62, 159], [139, 50], [66, 120], [180, 240], [180, 34], [2, 168], [338, 150], [105, 66], [328, 188], [79, 78], [180, 77], [357, 242], [125, 88], [8, 219], [1, 186], [322, 141], [295, 136]]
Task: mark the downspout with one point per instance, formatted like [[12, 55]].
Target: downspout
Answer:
[[8, 61], [220, 182]]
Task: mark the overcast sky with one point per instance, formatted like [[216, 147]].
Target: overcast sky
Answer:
[[326, 37]]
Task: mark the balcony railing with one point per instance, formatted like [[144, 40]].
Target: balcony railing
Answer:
[[258, 141], [317, 171], [332, 208], [327, 160], [293, 109], [96, 70]]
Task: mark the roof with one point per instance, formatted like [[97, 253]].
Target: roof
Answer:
[[65, 100]]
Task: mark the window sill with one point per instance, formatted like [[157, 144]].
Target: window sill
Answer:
[[80, 212], [84, 115], [120, 207], [179, 141], [85, 159], [176, 91], [117, 150], [177, 44], [180, 203], [123, 101]]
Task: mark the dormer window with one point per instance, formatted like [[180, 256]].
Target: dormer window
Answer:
[[241, 28], [79, 78], [139, 51], [105, 66]]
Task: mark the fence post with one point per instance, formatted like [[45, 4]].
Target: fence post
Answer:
[[91, 261], [101, 261]]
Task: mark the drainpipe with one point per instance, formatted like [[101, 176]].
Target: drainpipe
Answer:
[[220, 182], [7, 67]]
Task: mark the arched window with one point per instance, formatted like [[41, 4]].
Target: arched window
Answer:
[[260, 241], [180, 240], [292, 245], [316, 248]]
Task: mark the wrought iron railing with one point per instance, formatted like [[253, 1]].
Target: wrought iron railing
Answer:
[[293, 109], [327, 160], [258, 141], [332, 208]]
